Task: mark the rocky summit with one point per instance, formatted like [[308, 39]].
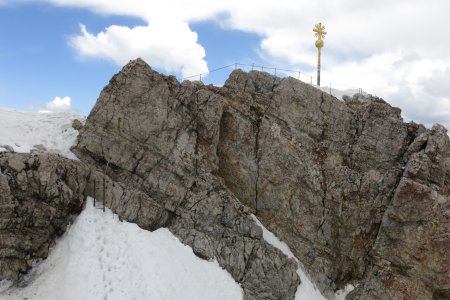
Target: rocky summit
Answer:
[[359, 196]]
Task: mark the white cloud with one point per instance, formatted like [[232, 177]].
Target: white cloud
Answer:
[[395, 49], [413, 82], [58, 105], [168, 45], [438, 84], [189, 10]]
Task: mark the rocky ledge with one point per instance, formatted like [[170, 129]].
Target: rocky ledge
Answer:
[[359, 196]]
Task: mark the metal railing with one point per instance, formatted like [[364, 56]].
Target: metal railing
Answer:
[[334, 89]]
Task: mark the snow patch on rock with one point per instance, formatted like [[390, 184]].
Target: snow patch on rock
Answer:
[[100, 257], [306, 290]]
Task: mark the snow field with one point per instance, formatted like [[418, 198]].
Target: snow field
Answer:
[[102, 258], [23, 130]]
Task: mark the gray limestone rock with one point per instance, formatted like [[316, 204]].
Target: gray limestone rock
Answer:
[[411, 253], [76, 124], [359, 196], [151, 133], [324, 175], [39, 196]]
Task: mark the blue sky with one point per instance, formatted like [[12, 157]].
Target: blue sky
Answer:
[[71, 48], [38, 64]]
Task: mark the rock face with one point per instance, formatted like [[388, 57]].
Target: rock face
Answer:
[[359, 196], [39, 195], [151, 133], [411, 257], [284, 159]]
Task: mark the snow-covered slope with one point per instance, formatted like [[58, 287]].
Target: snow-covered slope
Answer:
[[23, 130], [101, 257]]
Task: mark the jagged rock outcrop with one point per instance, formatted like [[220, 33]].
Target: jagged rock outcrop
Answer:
[[304, 175], [321, 173], [39, 196], [357, 194], [411, 257], [325, 175], [151, 133]]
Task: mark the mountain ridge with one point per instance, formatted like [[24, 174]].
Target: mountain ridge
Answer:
[[346, 184]]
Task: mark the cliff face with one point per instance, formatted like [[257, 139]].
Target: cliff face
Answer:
[[319, 172], [357, 194], [161, 137]]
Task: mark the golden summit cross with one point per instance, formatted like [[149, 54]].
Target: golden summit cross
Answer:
[[320, 33], [319, 29]]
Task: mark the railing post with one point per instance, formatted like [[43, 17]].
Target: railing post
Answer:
[[104, 194], [94, 191]]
